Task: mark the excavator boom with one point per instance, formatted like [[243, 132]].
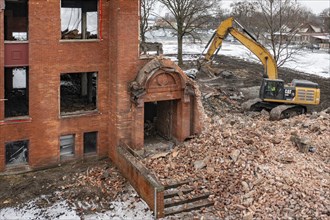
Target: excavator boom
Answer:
[[225, 28]]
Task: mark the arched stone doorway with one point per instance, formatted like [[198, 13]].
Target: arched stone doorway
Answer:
[[163, 94]]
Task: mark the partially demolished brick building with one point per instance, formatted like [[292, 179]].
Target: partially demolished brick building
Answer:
[[73, 84]]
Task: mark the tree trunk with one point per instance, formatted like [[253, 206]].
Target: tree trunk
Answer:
[[142, 35], [142, 30], [180, 59]]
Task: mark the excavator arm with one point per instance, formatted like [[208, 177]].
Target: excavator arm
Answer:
[[225, 28]]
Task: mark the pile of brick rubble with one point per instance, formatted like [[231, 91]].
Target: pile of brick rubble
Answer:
[[256, 168]]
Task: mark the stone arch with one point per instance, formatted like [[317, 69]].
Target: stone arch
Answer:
[[161, 81]]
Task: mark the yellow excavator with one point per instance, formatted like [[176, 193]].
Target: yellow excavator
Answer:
[[281, 100]]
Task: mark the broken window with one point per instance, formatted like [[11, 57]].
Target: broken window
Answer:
[[79, 19], [16, 20], [66, 146], [17, 152], [78, 92], [16, 92], [90, 142]]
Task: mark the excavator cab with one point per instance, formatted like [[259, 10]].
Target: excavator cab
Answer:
[[297, 92], [272, 89]]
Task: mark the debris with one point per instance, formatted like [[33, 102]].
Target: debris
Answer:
[[159, 155], [226, 74], [234, 155], [245, 186], [303, 144], [312, 149], [287, 159], [199, 164], [252, 167], [175, 153], [237, 97], [248, 216]]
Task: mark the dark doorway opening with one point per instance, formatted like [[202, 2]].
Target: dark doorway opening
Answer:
[[158, 124]]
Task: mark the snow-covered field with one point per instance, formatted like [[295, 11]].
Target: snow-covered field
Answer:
[[316, 62]]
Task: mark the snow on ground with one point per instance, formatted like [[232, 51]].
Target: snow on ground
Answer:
[[316, 62], [132, 208], [59, 210]]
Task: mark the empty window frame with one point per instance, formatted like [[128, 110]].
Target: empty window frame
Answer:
[[17, 152], [79, 19], [16, 20], [16, 92], [78, 92], [90, 142], [67, 146]]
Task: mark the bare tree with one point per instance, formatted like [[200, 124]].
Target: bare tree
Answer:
[[244, 11], [146, 9], [189, 15], [281, 19], [325, 15], [247, 13]]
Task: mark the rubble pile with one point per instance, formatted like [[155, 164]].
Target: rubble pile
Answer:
[[106, 182], [256, 168]]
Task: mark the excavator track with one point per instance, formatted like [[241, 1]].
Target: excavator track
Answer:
[[276, 111], [286, 111], [257, 105]]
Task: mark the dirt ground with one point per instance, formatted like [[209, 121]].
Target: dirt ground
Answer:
[[99, 180], [90, 181]]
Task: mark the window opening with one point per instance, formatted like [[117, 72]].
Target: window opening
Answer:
[[16, 92], [16, 20], [79, 19], [78, 92], [17, 152], [66, 146], [90, 142]]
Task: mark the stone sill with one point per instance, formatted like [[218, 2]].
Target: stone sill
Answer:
[[16, 120], [80, 114], [16, 42], [80, 41]]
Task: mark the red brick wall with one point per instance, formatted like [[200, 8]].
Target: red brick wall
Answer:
[[124, 65], [48, 58], [142, 180]]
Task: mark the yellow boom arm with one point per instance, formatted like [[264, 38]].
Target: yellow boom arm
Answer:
[[260, 51]]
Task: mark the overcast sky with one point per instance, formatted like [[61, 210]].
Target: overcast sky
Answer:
[[316, 6]]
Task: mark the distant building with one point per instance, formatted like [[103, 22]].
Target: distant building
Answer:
[[310, 34], [306, 34]]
